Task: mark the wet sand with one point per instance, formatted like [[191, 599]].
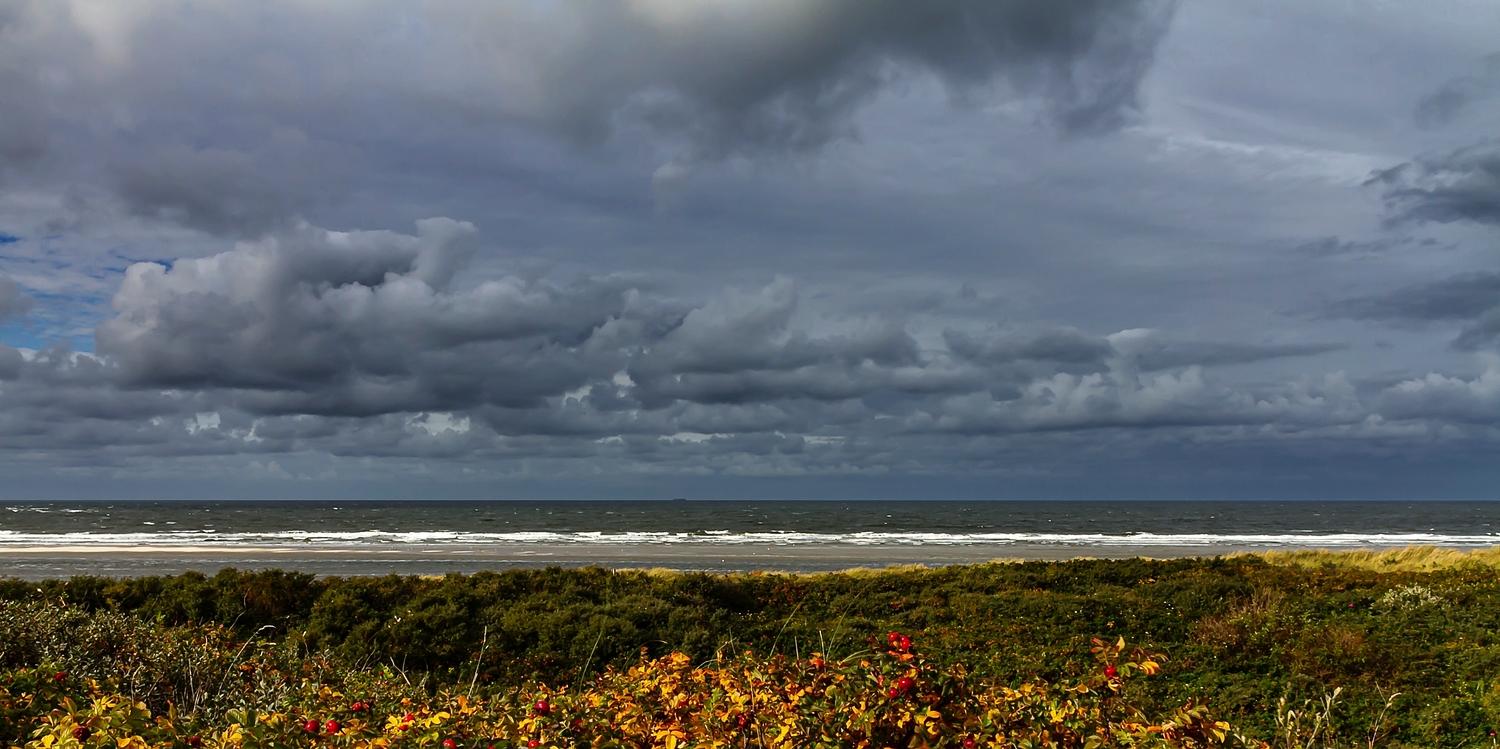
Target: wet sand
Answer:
[[42, 562]]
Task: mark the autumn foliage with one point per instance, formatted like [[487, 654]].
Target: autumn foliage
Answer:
[[889, 695]]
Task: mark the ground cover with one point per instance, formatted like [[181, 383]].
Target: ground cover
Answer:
[[1407, 642]]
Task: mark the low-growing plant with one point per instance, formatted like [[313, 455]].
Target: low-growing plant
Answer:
[[890, 695]]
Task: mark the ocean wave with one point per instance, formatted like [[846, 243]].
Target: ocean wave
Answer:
[[354, 539]]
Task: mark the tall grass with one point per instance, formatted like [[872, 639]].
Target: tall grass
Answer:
[[1406, 559]]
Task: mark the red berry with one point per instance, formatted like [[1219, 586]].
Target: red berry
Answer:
[[904, 644], [905, 683], [1110, 672], [742, 720], [81, 733], [891, 693], [816, 663], [894, 638], [332, 726], [407, 718], [542, 707], [970, 743], [533, 744], [59, 676], [450, 744], [195, 742], [311, 725]]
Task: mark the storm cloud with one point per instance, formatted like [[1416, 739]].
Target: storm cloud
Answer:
[[973, 243], [1472, 298], [786, 76], [1462, 185], [13, 301]]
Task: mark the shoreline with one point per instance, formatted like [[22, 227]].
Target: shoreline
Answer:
[[52, 562]]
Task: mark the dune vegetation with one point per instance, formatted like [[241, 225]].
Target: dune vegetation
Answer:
[[1282, 650]]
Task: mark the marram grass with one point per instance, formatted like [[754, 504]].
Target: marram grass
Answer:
[[1406, 559]]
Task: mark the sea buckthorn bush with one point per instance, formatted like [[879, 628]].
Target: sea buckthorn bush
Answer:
[[890, 695]]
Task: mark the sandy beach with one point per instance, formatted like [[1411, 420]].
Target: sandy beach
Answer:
[[42, 562]]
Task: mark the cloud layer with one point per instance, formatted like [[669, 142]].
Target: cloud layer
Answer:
[[659, 240], [370, 344]]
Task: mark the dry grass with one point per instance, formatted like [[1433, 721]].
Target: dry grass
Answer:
[[1408, 559]]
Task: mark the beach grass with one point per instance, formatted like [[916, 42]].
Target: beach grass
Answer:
[[1406, 559]]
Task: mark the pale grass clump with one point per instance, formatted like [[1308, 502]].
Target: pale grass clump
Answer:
[[1407, 559], [1409, 598], [1313, 726]]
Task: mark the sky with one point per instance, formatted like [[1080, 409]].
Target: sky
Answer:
[[1110, 249]]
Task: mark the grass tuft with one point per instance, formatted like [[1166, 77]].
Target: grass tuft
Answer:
[[1406, 559]]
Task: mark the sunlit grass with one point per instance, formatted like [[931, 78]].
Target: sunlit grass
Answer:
[[1407, 559]]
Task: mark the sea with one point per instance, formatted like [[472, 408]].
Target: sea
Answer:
[[123, 538]]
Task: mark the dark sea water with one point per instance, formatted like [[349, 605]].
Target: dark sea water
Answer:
[[43, 539]]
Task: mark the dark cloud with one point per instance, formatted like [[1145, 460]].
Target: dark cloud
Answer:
[[1459, 298], [739, 76], [1473, 297], [336, 325], [367, 344], [961, 292], [230, 192], [1436, 396], [1168, 355], [1054, 344], [24, 135], [1336, 247], [1463, 185], [1442, 106], [1145, 350], [11, 363], [359, 322], [13, 301]]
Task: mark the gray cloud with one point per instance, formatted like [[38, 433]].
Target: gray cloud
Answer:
[[369, 345], [1459, 298], [360, 322], [1442, 106], [786, 76], [1473, 297], [1336, 247], [1167, 355], [1058, 344], [1475, 400], [23, 107], [13, 301], [1146, 350], [337, 325], [190, 112], [230, 192], [870, 254], [1463, 185]]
